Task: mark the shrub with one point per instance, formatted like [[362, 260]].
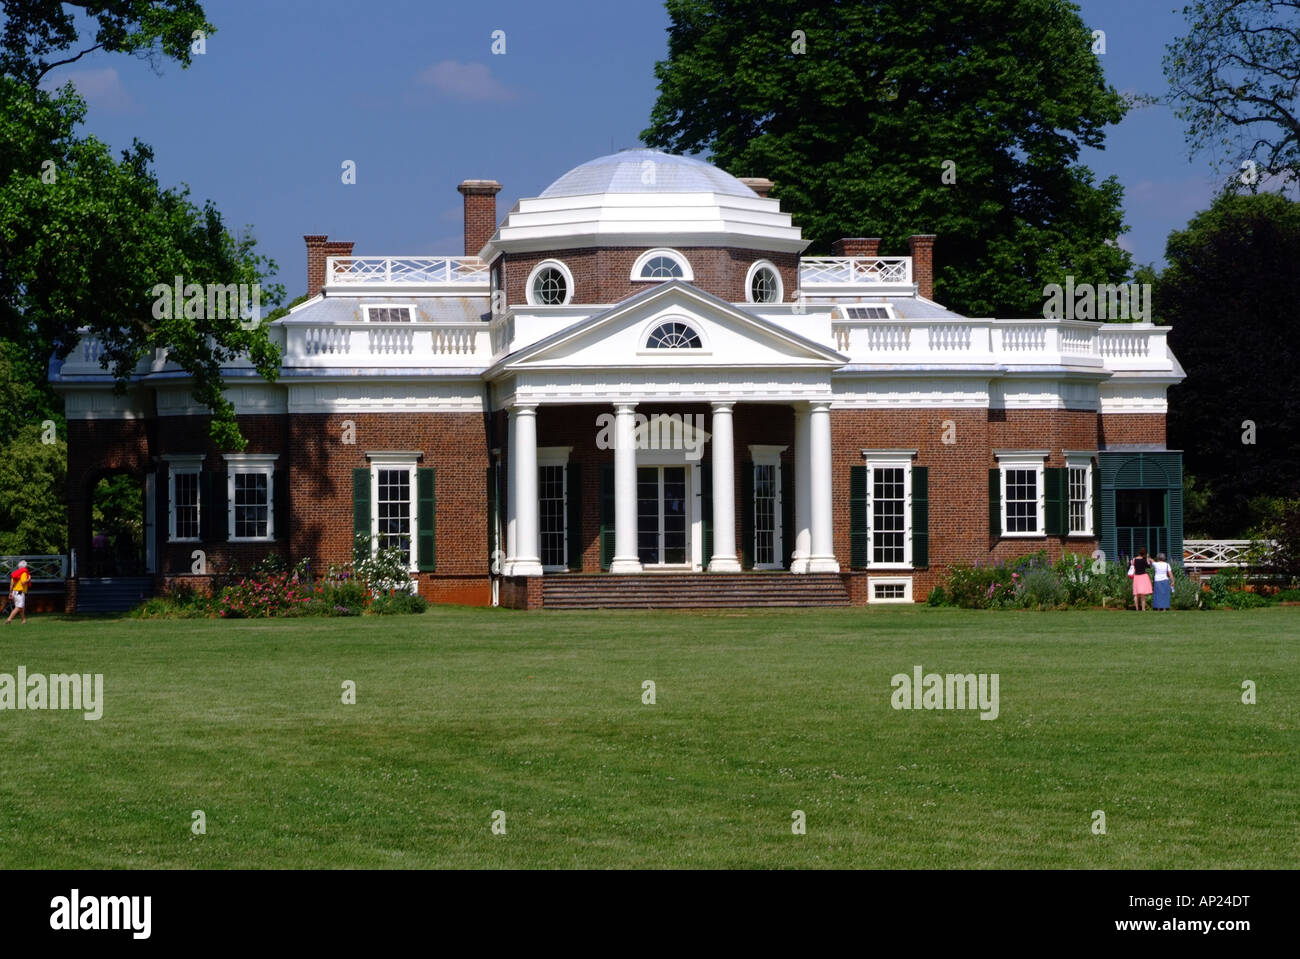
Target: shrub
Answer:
[[1040, 588], [1187, 592], [1289, 596], [399, 603], [938, 597]]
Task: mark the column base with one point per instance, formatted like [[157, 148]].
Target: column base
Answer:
[[625, 565], [799, 564], [823, 564], [522, 567], [724, 564]]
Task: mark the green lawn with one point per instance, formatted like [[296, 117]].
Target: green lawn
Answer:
[[463, 712]]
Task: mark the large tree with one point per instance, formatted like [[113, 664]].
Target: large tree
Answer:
[[857, 110], [86, 237], [1235, 78], [1232, 295]]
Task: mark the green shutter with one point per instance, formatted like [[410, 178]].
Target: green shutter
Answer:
[[492, 515], [573, 534], [859, 524], [787, 514], [706, 512], [360, 508], [280, 503], [995, 503], [920, 516], [606, 515], [1056, 491], [747, 515], [213, 508], [1096, 501], [426, 520]]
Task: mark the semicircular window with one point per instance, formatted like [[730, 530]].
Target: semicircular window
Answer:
[[674, 336], [661, 268]]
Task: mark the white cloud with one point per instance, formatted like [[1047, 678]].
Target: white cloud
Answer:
[[469, 81], [102, 89]]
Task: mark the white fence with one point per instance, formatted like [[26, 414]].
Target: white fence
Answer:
[[1219, 553], [44, 567]]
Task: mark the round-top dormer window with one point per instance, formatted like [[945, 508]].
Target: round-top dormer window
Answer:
[[763, 284], [662, 265], [550, 284], [673, 336]]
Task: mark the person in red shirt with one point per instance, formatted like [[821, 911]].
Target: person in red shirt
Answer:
[[19, 580]]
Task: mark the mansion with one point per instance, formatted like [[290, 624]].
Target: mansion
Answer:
[[636, 387]]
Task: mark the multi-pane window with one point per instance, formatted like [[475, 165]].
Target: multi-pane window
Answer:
[[251, 505], [393, 512], [550, 288], [551, 503], [185, 504], [1021, 500], [661, 268], [765, 514], [388, 314], [673, 336], [888, 519], [764, 287], [1080, 494]]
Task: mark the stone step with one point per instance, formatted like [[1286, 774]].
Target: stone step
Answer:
[[692, 590]]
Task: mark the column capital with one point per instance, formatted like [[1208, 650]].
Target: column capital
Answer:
[[819, 406], [524, 409], [624, 407], [723, 406]]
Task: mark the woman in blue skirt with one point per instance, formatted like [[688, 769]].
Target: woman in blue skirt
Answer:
[[1162, 582]]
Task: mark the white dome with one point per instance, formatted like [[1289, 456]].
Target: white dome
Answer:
[[646, 171]]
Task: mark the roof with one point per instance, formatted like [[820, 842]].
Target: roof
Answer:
[[435, 309], [646, 171]]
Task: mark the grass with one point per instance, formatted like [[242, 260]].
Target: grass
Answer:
[[463, 712]]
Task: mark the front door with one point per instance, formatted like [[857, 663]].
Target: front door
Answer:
[[662, 521]]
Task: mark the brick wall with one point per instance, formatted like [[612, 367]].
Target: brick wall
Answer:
[[99, 448], [602, 275], [1119, 428]]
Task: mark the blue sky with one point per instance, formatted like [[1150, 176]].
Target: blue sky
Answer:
[[410, 90]]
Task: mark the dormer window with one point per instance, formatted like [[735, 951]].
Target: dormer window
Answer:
[[550, 284], [674, 336], [388, 314], [763, 285], [660, 265]]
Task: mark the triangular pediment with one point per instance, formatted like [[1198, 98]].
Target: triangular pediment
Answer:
[[625, 336]]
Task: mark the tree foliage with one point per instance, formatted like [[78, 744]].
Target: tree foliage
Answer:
[[85, 237], [1231, 293], [1235, 77], [857, 130], [33, 476]]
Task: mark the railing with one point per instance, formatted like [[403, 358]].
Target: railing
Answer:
[[44, 567], [405, 270], [1123, 344], [384, 344], [817, 272], [1220, 553]]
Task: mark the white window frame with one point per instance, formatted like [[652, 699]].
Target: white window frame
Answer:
[[183, 463], [1080, 460], [771, 456], [408, 461], [245, 463], [904, 581], [366, 309], [688, 275], [1035, 460], [889, 459], [554, 456], [749, 283], [647, 350], [529, 293]]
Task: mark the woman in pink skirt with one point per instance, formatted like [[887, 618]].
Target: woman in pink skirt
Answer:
[[1140, 572]]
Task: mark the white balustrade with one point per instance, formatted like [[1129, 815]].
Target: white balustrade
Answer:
[[1024, 339], [816, 272], [950, 336], [405, 270], [361, 343], [1124, 344], [1219, 553]]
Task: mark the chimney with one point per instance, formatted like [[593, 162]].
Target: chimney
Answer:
[[759, 184], [480, 212], [923, 263], [319, 247], [867, 246]]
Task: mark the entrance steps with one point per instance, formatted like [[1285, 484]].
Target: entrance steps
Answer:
[[692, 590]]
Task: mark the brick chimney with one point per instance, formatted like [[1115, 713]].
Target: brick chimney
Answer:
[[856, 246], [480, 212], [923, 263], [319, 248], [759, 184]]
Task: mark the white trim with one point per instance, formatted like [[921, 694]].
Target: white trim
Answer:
[[188, 463], [765, 455], [395, 461], [887, 454], [1024, 460], [688, 275], [1080, 461], [553, 455], [245, 464], [749, 280], [643, 338], [890, 459], [532, 278], [904, 581], [393, 457]]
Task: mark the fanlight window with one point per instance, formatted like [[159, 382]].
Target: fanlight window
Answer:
[[764, 287], [674, 336], [662, 268], [550, 287]]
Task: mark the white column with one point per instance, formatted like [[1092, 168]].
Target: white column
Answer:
[[724, 492], [802, 531], [512, 543], [626, 559], [822, 557], [524, 456]]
